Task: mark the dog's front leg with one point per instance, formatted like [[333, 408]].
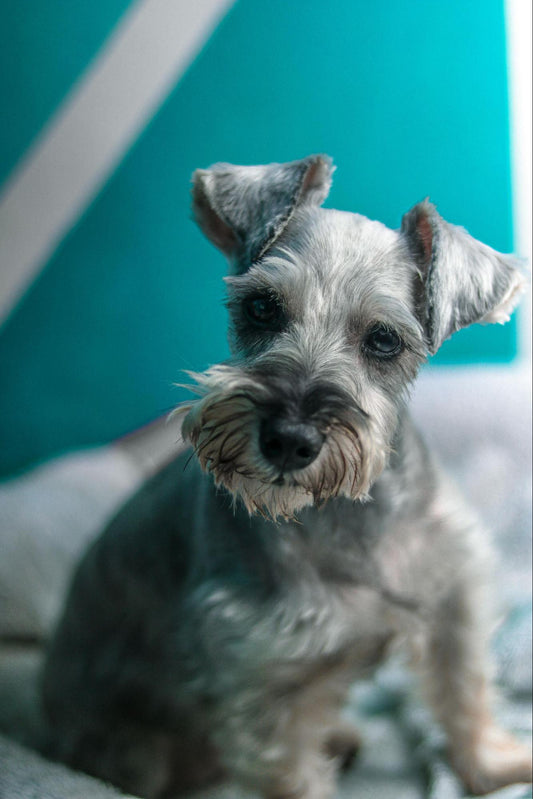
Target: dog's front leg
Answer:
[[276, 746], [456, 674]]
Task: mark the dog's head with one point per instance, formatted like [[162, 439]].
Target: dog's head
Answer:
[[331, 316]]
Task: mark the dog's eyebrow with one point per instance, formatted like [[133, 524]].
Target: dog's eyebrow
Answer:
[[251, 290], [385, 308], [255, 281]]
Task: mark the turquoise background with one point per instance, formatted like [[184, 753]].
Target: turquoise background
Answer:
[[44, 48], [410, 99]]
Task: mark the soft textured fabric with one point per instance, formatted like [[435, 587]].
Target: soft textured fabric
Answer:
[[25, 775]]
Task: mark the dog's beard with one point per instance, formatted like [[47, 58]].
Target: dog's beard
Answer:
[[223, 429]]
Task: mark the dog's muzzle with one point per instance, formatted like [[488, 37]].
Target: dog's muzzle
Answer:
[[280, 455]]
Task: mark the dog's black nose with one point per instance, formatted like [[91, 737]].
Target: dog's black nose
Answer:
[[290, 445]]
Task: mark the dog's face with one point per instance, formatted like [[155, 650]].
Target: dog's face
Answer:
[[331, 316]]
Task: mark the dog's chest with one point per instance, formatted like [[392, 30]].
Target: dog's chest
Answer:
[[335, 595], [316, 620]]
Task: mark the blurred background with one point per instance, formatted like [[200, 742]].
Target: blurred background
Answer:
[[107, 289]]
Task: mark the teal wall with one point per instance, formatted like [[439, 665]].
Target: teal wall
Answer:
[[408, 96], [44, 49]]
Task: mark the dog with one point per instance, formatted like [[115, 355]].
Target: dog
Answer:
[[216, 625]]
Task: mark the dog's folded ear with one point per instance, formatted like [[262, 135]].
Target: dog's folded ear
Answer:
[[244, 209], [462, 281]]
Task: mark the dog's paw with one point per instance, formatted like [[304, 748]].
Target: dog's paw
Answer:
[[498, 760], [343, 745]]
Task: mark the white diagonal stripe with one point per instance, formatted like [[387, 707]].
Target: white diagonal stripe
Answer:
[[93, 129]]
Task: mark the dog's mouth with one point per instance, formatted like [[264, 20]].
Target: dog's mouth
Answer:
[[226, 428], [286, 480]]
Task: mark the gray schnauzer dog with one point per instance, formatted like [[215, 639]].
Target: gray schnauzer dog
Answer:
[[216, 631]]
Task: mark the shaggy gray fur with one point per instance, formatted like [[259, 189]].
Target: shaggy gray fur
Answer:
[[199, 639]]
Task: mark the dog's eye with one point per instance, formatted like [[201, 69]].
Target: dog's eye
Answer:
[[383, 342], [263, 311]]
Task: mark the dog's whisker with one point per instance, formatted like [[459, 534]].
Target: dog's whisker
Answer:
[[189, 459]]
